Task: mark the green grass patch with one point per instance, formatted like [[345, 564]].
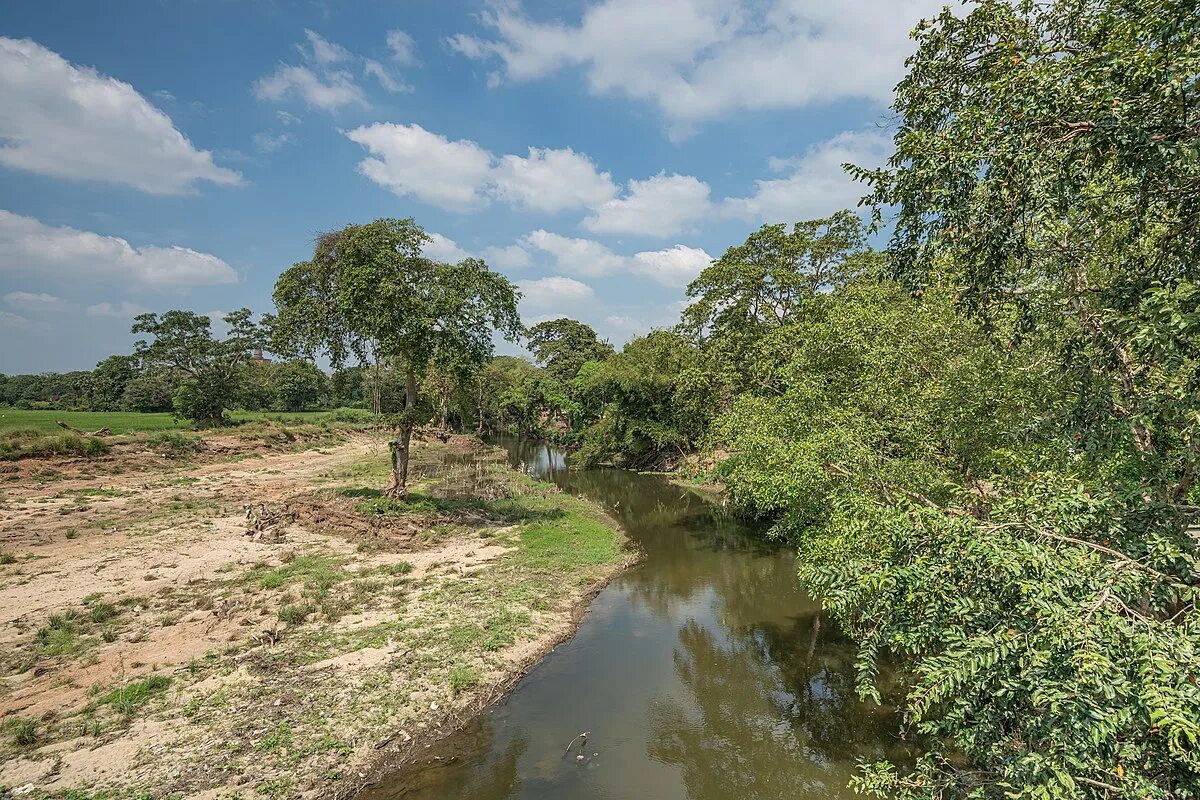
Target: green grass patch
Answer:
[[174, 444], [462, 677], [61, 636], [23, 732], [118, 422], [128, 699], [318, 574]]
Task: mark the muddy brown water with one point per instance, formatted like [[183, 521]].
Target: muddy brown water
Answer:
[[704, 672]]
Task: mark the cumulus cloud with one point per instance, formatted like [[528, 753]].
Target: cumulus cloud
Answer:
[[816, 183], [67, 256], [35, 302], [552, 180], [663, 205], [66, 121], [412, 162], [675, 266], [513, 256], [553, 292], [441, 248], [445, 249], [461, 175], [701, 59]]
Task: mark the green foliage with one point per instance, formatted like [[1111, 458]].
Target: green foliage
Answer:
[[647, 415], [151, 390], [462, 677], [182, 341], [564, 345]]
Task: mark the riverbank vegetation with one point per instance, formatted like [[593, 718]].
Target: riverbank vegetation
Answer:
[[983, 439]]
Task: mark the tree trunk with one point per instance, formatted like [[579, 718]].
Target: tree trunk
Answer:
[[479, 411], [376, 400], [400, 445], [444, 406]]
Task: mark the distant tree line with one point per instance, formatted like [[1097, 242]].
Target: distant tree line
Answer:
[[124, 383]]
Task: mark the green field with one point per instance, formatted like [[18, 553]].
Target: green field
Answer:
[[134, 422]]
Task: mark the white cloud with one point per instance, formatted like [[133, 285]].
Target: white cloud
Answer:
[[553, 293], [270, 142], [66, 121], [286, 119], [701, 59], [329, 92], [35, 302], [69, 256], [675, 266], [577, 256], [322, 51], [552, 180], [326, 80], [817, 185], [514, 256], [402, 46], [663, 205], [373, 69], [460, 175], [411, 161], [444, 249]]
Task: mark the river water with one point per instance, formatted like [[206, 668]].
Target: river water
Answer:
[[704, 672]]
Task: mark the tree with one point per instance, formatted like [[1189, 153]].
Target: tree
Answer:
[[369, 288], [643, 422], [298, 385], [106, 385], [1046, 176], [564, 345], [183, 341], [766, 283], [151, 390]]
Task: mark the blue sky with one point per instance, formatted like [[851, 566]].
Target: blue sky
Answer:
[[158, 155]]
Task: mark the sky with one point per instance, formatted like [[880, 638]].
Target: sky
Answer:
[[182, 154]]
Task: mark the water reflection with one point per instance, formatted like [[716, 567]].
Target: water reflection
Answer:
[[702, 673]]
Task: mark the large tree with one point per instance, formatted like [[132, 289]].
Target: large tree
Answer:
[[564, 345], [369, 289], [182, 341], [1047, 176]]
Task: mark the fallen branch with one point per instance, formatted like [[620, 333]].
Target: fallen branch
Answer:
[[77, 432]]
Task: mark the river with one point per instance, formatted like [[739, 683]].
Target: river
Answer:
[[703, 672]]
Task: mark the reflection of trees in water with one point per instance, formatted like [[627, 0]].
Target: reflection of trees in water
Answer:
[[770, 713]]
